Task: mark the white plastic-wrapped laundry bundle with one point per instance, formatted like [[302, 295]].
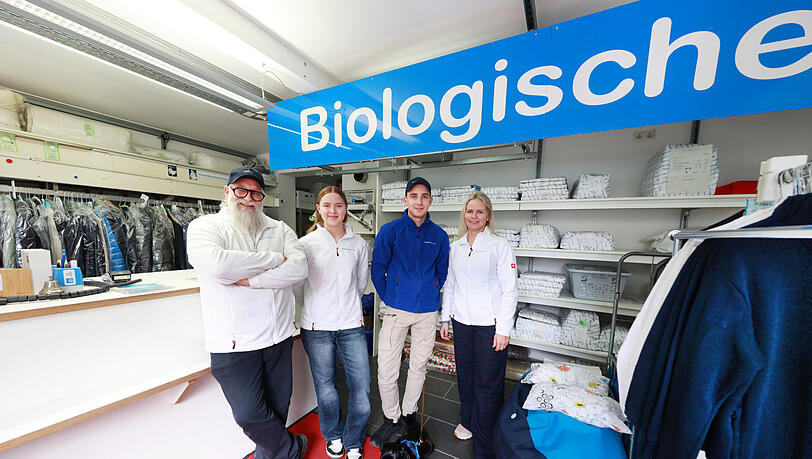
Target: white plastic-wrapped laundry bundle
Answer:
[[579, 328], [602, 343], [591, 186], [393, 193], [177, 157], [588, 240], [539, 315], [533, 330], [213, 162], [52, 123], [682, 170], [501, 193], [513, 236], [539, 236], [11, 106], [450, 230], [537, 283], [544, 188], [453, 194]]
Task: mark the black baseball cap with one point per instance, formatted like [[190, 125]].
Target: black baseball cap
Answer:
[[418, 181], [249, 172]]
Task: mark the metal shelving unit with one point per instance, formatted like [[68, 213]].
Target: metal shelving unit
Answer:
[[626, 307]]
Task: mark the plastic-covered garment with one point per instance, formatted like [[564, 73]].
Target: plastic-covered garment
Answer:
[[8, 225], [179, 227], [121, 256], [163, 239], [95, 242], [72, 241], [139, 223], [25, 236], [45, 226]]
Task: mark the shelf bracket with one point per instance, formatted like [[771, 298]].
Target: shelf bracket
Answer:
[[683, 219], [184, 391]]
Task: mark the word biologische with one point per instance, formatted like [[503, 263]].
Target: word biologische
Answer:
[[362, 124]]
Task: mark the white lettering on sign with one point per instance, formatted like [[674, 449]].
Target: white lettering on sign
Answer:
[[363, 124], [751, 47]]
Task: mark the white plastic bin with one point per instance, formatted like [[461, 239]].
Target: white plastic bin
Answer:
[[597, 283]]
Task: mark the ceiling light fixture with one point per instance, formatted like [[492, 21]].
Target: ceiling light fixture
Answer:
[[136, 51]]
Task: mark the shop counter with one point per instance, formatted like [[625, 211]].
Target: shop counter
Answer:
[[67, 361]]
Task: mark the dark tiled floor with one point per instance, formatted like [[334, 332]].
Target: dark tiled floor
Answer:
[[442, 406]]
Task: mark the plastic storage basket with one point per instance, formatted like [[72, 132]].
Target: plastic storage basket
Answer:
[[594, 282]]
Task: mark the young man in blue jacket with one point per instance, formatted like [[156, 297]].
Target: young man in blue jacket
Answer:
[[409, 267]]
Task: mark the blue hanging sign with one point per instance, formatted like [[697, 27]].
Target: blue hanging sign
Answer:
[[645, 63]]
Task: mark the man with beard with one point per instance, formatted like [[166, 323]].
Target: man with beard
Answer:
[[247, 264]]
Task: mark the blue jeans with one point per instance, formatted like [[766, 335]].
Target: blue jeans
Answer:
[[322, 346]]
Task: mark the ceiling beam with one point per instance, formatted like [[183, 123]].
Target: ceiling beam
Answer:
[[530, 14]]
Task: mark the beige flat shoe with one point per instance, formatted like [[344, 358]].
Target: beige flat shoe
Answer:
[[462, 433]]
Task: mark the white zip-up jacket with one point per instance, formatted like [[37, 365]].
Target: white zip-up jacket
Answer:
[[338, 276], [237, 318], [481, 284]]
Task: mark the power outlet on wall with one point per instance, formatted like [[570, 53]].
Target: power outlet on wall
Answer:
[[645, 136]]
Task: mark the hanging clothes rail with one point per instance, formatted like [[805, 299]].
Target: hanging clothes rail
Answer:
[[79, 195]]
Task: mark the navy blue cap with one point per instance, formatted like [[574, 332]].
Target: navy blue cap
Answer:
[[249, 172], [417, 181]]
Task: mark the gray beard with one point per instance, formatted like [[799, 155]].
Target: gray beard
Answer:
[[249, 222]]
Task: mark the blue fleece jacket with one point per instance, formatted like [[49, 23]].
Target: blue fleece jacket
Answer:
[[725, 365], [410, 264]]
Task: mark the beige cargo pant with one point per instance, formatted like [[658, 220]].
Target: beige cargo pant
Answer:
[[395, 326]]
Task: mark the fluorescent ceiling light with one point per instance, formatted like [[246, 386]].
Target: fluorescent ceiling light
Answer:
[[85, 32], [68, 48]]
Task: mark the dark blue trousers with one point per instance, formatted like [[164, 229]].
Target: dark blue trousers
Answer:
[[481, 381], [258, 385]]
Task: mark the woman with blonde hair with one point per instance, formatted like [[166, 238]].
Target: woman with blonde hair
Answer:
[[479, 302], [332, 322]]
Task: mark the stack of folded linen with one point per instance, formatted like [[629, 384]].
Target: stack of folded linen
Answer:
[[539, 236], [591, 186], [544, 188], [511, 235], [393, 193], [537, 325], [501, 193], [602, 343], [682, 170], [454, 194], [536, 283], [580, 328], [588, 240]]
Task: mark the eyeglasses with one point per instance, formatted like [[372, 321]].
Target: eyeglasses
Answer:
[[243, 192]]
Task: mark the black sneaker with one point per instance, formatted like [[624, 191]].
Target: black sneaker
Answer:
[[399, 430], [301, 440], [411, 421], [382, 434]]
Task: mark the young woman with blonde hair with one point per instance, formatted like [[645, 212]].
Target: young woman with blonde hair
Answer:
[[479, 301], [332, 322]]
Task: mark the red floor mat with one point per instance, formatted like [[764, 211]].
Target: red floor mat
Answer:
[[309, 425]]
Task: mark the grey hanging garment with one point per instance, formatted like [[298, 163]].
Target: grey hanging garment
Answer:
[[139, 223], [163, 252], [72, 239], [8, 227], [45, 226]]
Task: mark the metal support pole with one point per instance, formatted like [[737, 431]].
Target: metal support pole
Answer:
[[695, 131]]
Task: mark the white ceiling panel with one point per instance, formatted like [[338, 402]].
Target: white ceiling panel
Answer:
[[354, 39]]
